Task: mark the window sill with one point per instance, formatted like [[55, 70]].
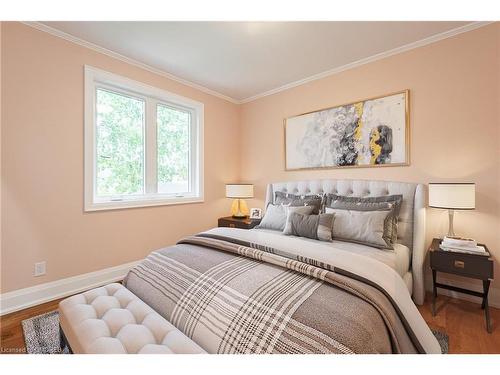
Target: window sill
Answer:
[[120, 205]]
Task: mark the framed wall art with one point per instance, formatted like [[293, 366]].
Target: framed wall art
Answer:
[[373, 132]]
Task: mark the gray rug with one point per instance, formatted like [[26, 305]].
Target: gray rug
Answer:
[[443, 340], [41, 335]]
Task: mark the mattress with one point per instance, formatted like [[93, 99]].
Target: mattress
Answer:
[[398, 259]]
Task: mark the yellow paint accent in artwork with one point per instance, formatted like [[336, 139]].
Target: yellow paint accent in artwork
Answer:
[[375, 148], [358, 107]]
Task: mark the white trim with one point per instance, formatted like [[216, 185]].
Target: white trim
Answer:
[[493, 295], [419, 43], [38, 294], [366, 60], [151, 95], [70, 38]]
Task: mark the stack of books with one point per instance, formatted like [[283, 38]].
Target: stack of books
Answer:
[[462, 245]]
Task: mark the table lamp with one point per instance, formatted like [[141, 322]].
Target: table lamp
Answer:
[[239, 192], [452, 196]]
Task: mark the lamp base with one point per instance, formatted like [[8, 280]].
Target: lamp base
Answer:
[[239, 209], [451, 232], [242, 216]]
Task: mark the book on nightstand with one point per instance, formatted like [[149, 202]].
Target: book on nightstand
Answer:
[[462, 245]]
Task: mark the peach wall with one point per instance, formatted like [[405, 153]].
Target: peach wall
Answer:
[[454, 98], [454, 92], [42, 166]]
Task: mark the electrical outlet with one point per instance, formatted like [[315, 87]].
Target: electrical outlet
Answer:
[[39, 269]]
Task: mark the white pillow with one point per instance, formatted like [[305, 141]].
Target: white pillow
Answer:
[[365, 227]]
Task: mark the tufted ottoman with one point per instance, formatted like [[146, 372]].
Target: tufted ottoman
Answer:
[[111, 319]]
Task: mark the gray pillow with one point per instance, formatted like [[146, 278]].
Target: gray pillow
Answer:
[[387, 202], [315, 201], [364, 227], [304, 210], [275, 216], [318, 227]]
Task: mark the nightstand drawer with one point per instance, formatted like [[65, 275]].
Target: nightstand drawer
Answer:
[[462, 264]]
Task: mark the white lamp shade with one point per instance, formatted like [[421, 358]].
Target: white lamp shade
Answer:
[[453, 196], [239, 191]]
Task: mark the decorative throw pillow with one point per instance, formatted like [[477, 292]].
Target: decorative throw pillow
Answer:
[[318, 227], [276, 215], [364, 227], [304, 210], [285, 199], [388, 202], [274, 218]]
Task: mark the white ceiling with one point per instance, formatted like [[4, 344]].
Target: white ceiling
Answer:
[[242, 60]]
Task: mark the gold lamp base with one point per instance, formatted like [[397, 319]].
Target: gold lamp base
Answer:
[[239, 209]]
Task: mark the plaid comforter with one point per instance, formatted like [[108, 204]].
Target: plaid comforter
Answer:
[[232, 296]]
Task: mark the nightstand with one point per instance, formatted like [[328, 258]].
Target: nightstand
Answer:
[[467, 265], [233, 222]]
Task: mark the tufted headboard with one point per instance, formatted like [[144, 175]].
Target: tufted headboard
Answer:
[[411, 226]]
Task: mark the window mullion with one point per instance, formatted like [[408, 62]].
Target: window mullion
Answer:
[[151, 149]]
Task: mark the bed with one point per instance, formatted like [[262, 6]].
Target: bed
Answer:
[[258, 291]]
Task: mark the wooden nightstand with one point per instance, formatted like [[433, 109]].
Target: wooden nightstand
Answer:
[[467, 265], [233, 222]]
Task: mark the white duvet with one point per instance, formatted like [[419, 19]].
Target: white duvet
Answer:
[[367, 267]]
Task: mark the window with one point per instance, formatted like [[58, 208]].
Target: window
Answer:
[[143, 145]]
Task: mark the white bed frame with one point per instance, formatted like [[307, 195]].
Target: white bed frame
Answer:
[[411, 226]]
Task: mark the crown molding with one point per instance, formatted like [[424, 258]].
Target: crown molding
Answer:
[[379, 56], [50, 30], [407, 47]]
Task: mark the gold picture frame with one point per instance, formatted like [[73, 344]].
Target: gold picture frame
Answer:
[[362, 102]]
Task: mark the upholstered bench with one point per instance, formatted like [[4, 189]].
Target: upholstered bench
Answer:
[[111, 319]]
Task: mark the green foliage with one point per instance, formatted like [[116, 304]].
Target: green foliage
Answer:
[[173, 145], [120, 144]]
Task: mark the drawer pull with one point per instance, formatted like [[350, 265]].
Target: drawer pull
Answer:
[[459, 264], [231, 225]]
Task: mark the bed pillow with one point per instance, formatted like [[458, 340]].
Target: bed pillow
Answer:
[[396, 199], [315, 201], [274, 218], [276, 215], [303, 210], [318, 227], [388, 202], [364, 227]]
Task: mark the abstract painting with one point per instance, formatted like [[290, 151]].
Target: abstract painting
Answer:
[[372, 132]]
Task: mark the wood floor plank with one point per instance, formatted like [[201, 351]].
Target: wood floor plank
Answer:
[[12, 337], [462, 321]]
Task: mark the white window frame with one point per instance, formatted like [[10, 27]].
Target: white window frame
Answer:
[[96, 78]]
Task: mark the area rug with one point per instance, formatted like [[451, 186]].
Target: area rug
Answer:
[[41, 335], [443, 340]]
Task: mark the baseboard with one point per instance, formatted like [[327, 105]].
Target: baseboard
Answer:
[[493, 296], [38, 294]]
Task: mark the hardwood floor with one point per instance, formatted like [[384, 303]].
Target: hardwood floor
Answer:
[[465, 325], [12, 338], [463, 322]]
